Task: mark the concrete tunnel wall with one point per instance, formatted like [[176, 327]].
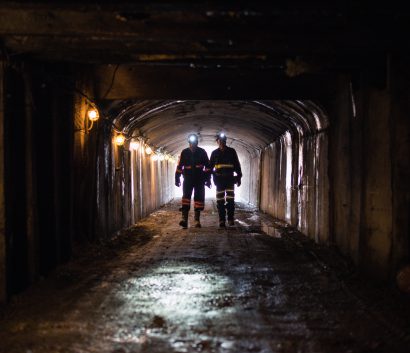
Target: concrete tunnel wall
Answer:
[[369, 148], [295, 184]]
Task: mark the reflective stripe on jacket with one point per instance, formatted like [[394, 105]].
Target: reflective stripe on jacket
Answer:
[[225, 162], [193, 164]]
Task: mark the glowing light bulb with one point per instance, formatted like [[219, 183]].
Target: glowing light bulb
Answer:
[[161, 157], [167, 157], [154, 157], [119, 140], [134, 145], [93, 114], [148, 150]]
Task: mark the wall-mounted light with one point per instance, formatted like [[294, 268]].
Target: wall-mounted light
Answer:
[[93, 114], [154, 157], [119, 139], [161, 157], [134, 145], [148, 150]]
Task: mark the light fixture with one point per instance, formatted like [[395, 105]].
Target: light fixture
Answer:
[[93, 114], [154, 157], [148, 150], [167, 157], [119, 139], [134, 145], [161, 157]]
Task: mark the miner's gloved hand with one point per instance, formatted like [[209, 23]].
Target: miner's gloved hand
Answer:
[[208, 183], [177, 182]]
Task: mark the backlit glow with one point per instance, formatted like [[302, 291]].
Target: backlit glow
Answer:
[[148, 150]]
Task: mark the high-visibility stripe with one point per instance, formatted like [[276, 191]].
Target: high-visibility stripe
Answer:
[[187, 167], [219, 166], [207, 170], [220, 192], [230, 197], [186, 201], [199, 166], [179, 171], [220, 198], [228, 190]]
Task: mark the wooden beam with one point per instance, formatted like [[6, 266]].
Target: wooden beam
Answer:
[[141, 82], [146, 32]]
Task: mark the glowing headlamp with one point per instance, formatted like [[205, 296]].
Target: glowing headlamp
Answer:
[[221, 136], [193, 139]]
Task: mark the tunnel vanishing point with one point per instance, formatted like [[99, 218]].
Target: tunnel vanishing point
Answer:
[[314, 97]]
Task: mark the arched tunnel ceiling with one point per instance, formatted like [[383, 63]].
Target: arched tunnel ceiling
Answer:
[[249, 125]]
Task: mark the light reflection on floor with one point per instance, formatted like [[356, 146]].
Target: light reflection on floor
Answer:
[[173, 298]]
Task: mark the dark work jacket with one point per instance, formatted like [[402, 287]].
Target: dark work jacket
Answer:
[[193, 165], [224, 163]]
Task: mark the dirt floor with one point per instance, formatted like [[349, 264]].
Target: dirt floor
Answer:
[[257, 287]]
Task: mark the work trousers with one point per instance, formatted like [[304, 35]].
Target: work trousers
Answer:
[[196, 185], [225, 197]]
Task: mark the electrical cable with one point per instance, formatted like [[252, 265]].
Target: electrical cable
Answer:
[[112, 82]]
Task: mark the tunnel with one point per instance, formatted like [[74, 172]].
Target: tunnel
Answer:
[[97, 102], [289, 133]]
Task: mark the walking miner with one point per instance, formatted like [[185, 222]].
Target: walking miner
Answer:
[[193, 164], [224, 163]]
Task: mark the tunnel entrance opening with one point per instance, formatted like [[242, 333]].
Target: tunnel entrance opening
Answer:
[[282, 146]]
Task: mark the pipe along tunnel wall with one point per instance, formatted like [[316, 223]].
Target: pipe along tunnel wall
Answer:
[[336, 169]]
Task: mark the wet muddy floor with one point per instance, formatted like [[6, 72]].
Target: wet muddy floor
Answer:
[[255, 287]]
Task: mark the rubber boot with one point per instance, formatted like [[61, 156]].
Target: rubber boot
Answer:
[[184, 221], [197, 219], [222, 213], [230, 208]]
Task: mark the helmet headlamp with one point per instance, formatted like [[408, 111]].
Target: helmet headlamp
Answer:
[[193, 138]]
